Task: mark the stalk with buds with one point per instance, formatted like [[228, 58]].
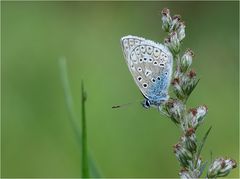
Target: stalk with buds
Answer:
[[187, 150]]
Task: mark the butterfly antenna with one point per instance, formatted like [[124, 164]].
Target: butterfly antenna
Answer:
[[124, 105]]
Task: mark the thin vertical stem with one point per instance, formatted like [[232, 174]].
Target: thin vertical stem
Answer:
[[85, 168], [80, 133], [68, 98]]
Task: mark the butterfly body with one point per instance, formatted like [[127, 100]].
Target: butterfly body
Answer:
[[150, 64]]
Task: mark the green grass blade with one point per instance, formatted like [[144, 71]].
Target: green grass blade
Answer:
[[68, 98], [89, 168], [94, 171], [85, 170], [202, 143]]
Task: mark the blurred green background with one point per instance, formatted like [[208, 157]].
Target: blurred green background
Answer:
[[37, 139]]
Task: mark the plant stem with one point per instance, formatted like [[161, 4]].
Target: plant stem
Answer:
[[202, 144], [85, 168], [68, 98], [80, 134]]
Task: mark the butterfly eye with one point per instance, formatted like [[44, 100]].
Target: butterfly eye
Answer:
[[145, 59], [147, 103], [139, 69], [153, 80], [140, 60], [150, 60], [155, 63], [158, 78]]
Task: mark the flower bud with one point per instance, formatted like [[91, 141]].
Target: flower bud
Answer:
[[167, 42], [221, 167], [175, 109], [201, 112], [183, 155], [189, 140], [189, 82], [173, 43], [195, 116], [177, 88], [166, 20], [192, 74], [192, 120], [175, 22], [227, 166], [186, 60], [181, 31]]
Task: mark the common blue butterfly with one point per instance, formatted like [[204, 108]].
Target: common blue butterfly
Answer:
[[150, 64]]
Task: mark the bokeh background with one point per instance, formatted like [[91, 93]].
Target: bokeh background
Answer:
[[37, 138]]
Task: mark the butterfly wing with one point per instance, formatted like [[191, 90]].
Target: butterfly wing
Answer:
[[150, 64]]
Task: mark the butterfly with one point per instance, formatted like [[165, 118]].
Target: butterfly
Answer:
[[150, 64]]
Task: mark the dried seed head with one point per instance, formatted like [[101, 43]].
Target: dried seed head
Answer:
[[176, 83], [175, 109], [183, 155], [175, 22], [192, 74], [189, 82], [186, 60], [189, 140], [190, 131], [201, 112], [177, 17], [165, 12], [173, 43], [221, 167], [181, 31], [195, 116], [193, 111], [166, 20]]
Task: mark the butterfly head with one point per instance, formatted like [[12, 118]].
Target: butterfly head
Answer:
[[147, 103]]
